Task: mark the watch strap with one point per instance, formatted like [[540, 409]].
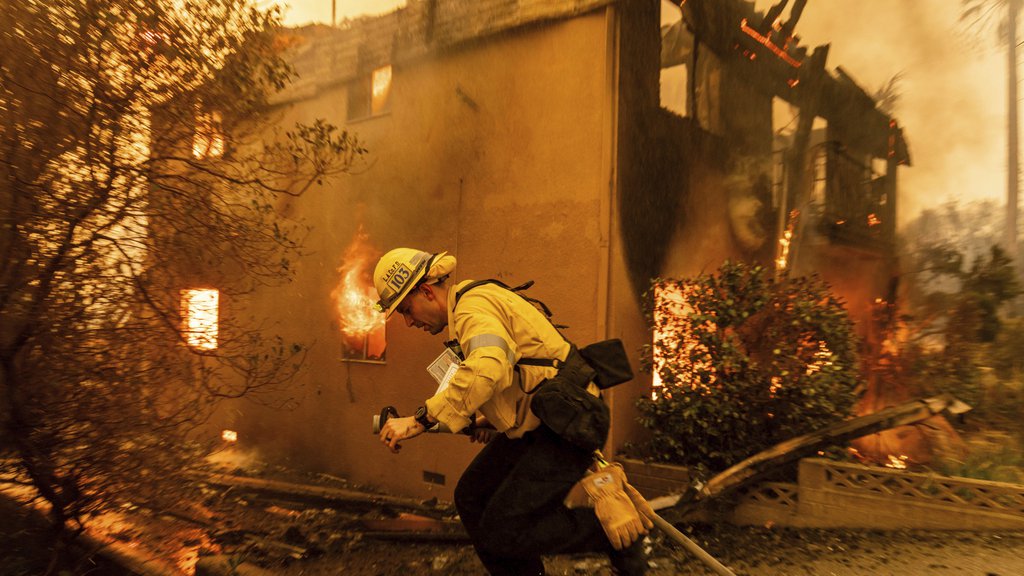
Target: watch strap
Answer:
[[421, 417]]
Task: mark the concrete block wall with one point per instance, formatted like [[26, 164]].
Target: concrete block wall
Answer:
[[840, 495], [653, 480], [833, 494], [329, 56]]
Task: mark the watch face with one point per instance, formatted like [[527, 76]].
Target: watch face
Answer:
[[421, 416]]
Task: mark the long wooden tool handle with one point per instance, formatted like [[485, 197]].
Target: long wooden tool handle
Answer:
[[690, 546]]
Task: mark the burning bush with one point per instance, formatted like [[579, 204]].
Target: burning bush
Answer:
[[742, 362]]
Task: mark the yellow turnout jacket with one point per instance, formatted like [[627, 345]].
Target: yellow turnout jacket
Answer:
[[495, 328]]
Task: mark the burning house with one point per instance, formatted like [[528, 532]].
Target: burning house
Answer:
[[589, 146]]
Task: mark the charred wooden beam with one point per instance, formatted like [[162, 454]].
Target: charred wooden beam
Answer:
[[417, 536], [413, 523], [311, 494], [767, 461]]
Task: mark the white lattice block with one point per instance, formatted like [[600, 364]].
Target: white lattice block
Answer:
[[842, 494]]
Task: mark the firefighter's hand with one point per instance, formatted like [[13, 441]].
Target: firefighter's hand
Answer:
[[647, 513], [483, 432], [483, 435], [614, 509], [396, 429]]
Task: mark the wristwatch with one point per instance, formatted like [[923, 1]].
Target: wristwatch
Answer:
[[421, 417]]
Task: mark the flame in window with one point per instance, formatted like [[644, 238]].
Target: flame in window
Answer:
[[380, 89], [208, 141], [199, 311], [354, 298]]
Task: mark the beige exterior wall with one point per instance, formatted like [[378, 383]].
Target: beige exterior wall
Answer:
[[520, 153], [499, 152]]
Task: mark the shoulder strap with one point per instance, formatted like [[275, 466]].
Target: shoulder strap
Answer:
[[518, 290]]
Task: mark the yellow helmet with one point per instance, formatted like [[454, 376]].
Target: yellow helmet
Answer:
[[398, 272]]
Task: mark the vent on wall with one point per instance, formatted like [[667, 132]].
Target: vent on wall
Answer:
[[433, 478]]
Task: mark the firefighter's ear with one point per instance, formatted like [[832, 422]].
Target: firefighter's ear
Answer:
[[428, 291]]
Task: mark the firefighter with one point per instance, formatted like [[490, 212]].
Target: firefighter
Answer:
[[510, 497]]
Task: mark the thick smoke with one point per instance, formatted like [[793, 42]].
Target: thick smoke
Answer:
[[953, 92]]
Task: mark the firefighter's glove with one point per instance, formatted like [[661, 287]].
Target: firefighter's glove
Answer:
[[614, 509], [642, 507]]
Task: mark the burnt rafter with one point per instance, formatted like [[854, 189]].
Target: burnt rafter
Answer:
[[768, 52], [773, 16]]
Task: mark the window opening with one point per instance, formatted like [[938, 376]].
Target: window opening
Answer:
[[200, 316], [208, 140], [370, 95], [380, 85]]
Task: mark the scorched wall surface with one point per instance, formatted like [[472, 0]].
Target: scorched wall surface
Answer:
[[497, 151]]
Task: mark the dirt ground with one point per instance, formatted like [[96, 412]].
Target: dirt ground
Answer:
[[747, 551], [294, 538], [338, 543]]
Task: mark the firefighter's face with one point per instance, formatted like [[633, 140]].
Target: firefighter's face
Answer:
[[422, 308]]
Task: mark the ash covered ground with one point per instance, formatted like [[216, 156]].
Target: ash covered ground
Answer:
[[293, 536], [336, 540]]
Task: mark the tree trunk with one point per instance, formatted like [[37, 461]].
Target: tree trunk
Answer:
[[1013, 6]]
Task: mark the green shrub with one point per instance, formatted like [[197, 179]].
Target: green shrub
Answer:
[[744, 362]]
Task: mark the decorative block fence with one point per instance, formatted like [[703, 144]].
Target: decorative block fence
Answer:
[[832, 494]]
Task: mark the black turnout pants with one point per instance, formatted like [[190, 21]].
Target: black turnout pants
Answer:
[[510, 501]]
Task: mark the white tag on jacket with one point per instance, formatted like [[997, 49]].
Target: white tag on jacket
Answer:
[[443, 368], [447, 378]]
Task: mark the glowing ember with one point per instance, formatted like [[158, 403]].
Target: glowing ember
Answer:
[[229, 436], [354, 296], [822, 358], [782, 262], [199, 311], [873, 220], [768, 43], [897, 462]]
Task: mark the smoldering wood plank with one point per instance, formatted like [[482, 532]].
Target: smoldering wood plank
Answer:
[[767, 461], [311, 493]]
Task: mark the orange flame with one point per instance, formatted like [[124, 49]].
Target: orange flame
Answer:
[[786, 241], [897, 462], [677, 341], [354, 296]]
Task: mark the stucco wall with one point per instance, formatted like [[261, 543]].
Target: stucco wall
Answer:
[[498, 152]]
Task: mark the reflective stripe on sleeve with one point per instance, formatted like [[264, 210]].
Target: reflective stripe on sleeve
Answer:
[[482, 340]]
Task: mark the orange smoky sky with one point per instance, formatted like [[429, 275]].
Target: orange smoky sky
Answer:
[[952, 107], [953, 89], [299, 12]]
